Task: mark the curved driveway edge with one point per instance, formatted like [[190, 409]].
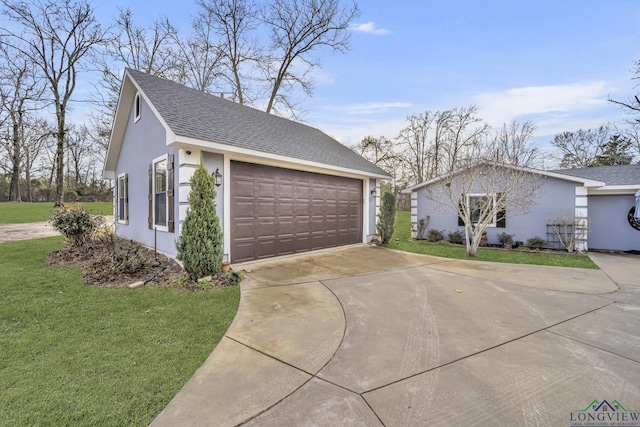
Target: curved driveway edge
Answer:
[[368, 336]]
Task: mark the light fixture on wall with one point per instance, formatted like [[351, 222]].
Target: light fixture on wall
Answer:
[[188, 152], [218, 177], [373, 192]]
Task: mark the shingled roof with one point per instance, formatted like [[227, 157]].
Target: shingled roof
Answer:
[[195, 114], [611, 175]]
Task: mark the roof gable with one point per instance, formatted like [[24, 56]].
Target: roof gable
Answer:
[[194, 114]]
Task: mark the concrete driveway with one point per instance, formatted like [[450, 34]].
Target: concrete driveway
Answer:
[[369, 336]]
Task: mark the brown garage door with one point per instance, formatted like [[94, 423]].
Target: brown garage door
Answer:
[[277, 211]]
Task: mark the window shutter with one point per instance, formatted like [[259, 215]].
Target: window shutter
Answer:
[[126, 197], [170, 194], [150, 217], [501, 217], [460, 220]]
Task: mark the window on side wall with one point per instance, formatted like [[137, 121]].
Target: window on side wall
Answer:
[[123, 198], [476, 202], [136, 108], [160, 205]]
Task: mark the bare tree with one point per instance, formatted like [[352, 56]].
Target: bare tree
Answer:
[[233, 22], [298, 27], [579, 149], [19, 91], [150, 50], [81, 155], [36, 137], [415, 142], [460, 132], [434, 142], [200, 56], [57, 36], [632, 104], [513, 145]]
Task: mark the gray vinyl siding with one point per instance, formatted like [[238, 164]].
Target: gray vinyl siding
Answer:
[[144, 140], [372, 208], [556, 196], [610, 228], [213, 161]]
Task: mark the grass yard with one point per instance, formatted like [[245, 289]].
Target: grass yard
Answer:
[[559, 259], [24, 212], [73, 354]]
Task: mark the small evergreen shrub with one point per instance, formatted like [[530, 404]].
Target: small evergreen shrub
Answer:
[[505, 238], [456, 237], [200, 242], [536, 243], [434, 235], [76, 224], [387, 218]]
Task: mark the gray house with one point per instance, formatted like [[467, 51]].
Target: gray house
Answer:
[[604, 195], [282, 187]]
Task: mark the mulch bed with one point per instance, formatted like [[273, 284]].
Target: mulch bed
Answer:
[[118, 262], [115, 262]]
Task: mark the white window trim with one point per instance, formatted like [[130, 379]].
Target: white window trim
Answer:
[[493, 196], [126, 197], [164, 157], [137, 107]]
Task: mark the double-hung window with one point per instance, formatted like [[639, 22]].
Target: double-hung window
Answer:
[[483, 202], [122, 195], [479, 204], [161, 194], [160, 204]]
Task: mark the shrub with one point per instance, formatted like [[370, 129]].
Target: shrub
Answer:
[[76, 224], [536, 242], [387, 218], [200, 242], [505, 238], [434, 235], [456, 237]]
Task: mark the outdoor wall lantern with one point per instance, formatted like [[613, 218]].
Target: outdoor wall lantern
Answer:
[[373, 192], [218, 177]]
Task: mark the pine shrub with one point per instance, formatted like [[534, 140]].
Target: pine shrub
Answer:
[[200, 242], [387, 218]]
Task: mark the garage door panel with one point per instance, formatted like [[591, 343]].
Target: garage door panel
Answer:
[[278, 211]]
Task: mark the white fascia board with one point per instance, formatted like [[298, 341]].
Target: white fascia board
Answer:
[[261, 157], [614, 189]]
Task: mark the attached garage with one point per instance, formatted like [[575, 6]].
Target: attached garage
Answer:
[[277, 211]]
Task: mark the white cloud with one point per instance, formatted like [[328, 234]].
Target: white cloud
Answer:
[[369, 107], [540, 103], [369, 28]]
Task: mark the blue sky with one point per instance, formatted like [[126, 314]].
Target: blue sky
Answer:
[[552, 62]]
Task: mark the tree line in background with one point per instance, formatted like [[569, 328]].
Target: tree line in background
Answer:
[[436, 143], [256, 53]]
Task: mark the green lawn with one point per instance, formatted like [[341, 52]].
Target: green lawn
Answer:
[[24, 212], [73, 354], [560, 259]]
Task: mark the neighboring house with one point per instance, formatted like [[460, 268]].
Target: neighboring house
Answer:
[[604, 195], [282, 187]]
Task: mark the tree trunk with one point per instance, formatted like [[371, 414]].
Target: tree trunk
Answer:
[[27, 175], [60, 156], [14, 192]]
